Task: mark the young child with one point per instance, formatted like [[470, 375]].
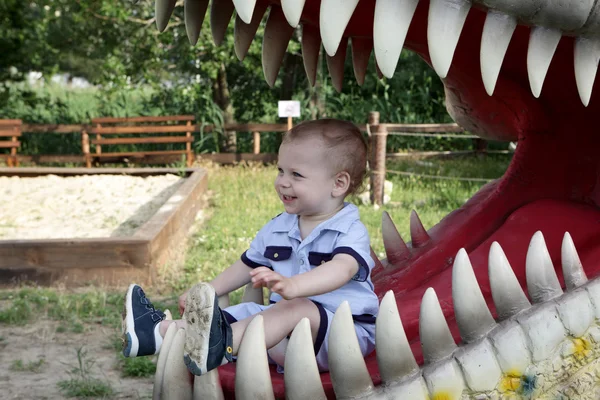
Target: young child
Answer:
[[312, 257]]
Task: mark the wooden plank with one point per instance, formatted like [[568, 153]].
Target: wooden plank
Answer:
[[10, 145], [9, 132], [116, 120], [59, 171], [54, 128], [139, 153], [140, 140], [424, 128], [5, 122], [110, 130]]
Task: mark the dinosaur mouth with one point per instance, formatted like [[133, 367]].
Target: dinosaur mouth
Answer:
[[512, 70]]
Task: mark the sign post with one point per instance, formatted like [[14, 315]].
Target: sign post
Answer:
[[289, 109]]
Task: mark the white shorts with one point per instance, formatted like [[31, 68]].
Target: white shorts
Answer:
[[365, 332]]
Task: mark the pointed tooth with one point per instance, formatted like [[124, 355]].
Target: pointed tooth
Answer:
[[220, 15], [168, 315], [573, 271], [311, 46], [253, 295], [391, 22], [587, 54], [252, 378], [394, 356], [349, 374], [507, 293], [275, 41], [163, 10], [292, 9], [418, 234], [208, 387], [542, 44], [302, 379], [361, 52], [471, 312], [497, 32], [436, 339], [245, 9], [177, 383], [335, 65], [194, 11], [445, 22], [542, 282], [162, 360], [244, 33], [396, 249], [333, 19]]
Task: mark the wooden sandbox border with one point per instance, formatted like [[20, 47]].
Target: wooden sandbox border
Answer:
[[106, 261]]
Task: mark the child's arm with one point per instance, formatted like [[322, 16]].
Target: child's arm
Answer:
[[323, 279], [232, 278]]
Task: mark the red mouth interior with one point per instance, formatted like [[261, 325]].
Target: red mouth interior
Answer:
[[552, 185]]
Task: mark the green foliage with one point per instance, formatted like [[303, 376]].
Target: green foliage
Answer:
[[81, 383], [137, 366], [31, 366]]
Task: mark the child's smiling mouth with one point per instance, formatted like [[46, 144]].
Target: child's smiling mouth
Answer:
[[287, 199]]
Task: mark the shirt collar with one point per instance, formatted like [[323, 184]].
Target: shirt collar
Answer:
[[339, 222]]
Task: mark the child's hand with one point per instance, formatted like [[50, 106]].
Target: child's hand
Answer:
[[263, 276], [182, 300]]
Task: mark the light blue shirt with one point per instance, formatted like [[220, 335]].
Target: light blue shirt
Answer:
[[279, 246]]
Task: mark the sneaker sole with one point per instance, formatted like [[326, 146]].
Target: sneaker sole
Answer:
[[130, 341], [198, 317]]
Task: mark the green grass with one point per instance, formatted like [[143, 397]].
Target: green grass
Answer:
[[31, 366], [81, 382], [137, 367]]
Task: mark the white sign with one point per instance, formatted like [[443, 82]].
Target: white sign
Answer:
[[289, 108]]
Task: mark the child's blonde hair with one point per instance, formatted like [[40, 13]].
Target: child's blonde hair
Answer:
[[344, 139]]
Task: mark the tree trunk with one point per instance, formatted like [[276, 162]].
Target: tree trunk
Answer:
[[222, 98]]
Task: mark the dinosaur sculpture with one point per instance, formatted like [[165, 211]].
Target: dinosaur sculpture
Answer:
[[533, 83]]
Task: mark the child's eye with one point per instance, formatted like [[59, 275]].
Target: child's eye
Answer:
[[280, 171], [297, 175]]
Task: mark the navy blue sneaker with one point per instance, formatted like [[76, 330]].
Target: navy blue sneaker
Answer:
[[208, 338], [140, 324]]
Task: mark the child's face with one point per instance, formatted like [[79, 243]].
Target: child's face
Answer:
[[306, 181]]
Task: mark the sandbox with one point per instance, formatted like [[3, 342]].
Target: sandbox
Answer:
[[131, 254]]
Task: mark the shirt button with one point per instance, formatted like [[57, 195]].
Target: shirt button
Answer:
[[301, 262], [275, 255]]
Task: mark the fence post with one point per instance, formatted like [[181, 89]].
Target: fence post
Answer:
[[85, 146], [188, 146], [378, 141], [256, 142]]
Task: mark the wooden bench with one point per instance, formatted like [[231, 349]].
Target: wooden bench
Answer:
[[10, 132], [136, 127]]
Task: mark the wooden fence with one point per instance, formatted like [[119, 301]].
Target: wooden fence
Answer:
[[377, 135]]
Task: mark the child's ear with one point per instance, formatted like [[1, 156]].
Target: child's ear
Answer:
[[341, 184]]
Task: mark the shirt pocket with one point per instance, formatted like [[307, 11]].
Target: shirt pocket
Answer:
[[278, 253], [316, 258]]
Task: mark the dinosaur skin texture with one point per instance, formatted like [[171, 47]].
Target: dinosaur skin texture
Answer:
[[552, 184]]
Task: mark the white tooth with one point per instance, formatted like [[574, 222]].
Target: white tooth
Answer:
[[244, 9], [275, 41], [293, 11], [220, 14], [253, 295], [244, 33], [162, 360], [446, 20], [163, 10], [391, 22], [587, 54], [572, 269], [544, 329], [311, 46], [208, 386], [436, 339], [394, 356], [361, 52], [335, 65], [511, 347], [302, 379], [576, 312], [497, 32], [224, 301], [168, 315], [471, 312], [508, 296], [176, 382], [194, 11], [542, 282], [333, 19], [349, 374], [542, 44], [252, 378]]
